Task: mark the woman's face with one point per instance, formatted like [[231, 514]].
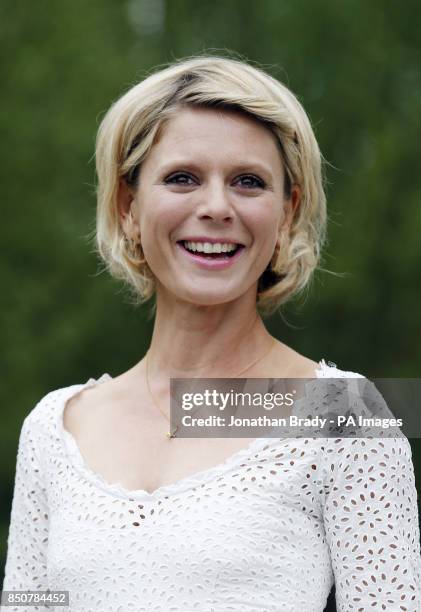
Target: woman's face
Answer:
[[213, 176]]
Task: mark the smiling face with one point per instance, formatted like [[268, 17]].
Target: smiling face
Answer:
[[215, 176]]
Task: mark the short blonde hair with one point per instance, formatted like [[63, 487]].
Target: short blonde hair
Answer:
[[134, 122]]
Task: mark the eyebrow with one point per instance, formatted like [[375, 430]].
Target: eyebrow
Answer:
[[241, 165]]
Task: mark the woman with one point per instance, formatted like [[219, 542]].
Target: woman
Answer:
[[210, 198]]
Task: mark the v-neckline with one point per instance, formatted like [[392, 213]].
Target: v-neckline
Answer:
[[76, 460]]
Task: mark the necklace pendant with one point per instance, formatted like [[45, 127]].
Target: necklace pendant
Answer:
[[171, 434]]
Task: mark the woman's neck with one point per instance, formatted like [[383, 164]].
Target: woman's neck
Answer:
[[208, 341]]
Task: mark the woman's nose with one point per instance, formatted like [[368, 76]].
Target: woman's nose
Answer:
[[215, 202]]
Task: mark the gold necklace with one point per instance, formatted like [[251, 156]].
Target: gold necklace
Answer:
[[171, 434]]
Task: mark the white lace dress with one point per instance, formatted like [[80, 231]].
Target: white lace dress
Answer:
[[270, 529]]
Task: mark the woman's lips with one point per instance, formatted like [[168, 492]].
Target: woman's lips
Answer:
[[209, 263]]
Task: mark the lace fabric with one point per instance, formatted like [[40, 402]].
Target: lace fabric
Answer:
[[271, 528]]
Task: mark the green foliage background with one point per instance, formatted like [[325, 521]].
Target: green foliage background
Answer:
[[356, 67]]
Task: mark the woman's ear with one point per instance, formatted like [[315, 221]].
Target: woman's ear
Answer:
[[291, 206], [125, 204]]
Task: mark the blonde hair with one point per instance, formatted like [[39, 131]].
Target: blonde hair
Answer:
[[133, 123]]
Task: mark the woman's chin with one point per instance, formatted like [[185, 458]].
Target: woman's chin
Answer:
[[208, 298]]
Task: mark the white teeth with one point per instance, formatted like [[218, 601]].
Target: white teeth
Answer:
[[207, 247]]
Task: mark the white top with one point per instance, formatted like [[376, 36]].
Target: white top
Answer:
[[272, 528]]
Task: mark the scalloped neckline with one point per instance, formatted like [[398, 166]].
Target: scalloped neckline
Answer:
[[76, 460]]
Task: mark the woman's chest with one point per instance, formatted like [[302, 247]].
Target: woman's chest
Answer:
[[135, 451], [232, 532], [123, 439]]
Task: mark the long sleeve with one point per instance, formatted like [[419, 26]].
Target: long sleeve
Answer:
[[26, 567], [371, 524]]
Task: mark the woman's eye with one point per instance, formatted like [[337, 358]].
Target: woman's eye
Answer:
[[252, 181], [249, 180], [174, 179]]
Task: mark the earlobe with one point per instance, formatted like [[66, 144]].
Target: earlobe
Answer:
[[125, 202], [124, 198], [291, 206], [295, 198]]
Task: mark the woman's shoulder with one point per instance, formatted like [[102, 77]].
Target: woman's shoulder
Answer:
[[370, 443], [44, 417], [328, 369], [297, 365]]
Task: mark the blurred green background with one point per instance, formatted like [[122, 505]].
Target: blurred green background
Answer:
[[355, 66]]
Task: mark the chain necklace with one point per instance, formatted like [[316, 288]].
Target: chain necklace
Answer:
[[171, 434]]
